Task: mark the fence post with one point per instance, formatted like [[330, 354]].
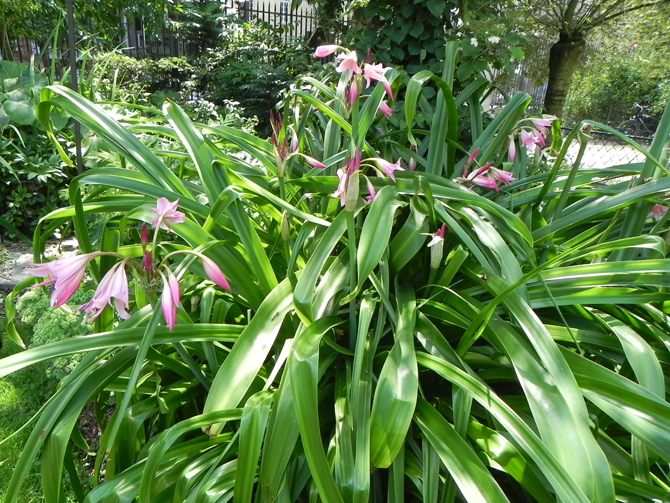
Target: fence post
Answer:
[[73, 80]]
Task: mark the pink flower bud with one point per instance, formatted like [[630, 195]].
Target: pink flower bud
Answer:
[[144, 236], [214, 273], [170, 299], [325, 50]]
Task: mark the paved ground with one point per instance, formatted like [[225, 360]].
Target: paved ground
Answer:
[[18, 256]]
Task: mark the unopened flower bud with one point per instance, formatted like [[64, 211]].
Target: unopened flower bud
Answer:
[[144, 236], [285, 227], [436, 246]]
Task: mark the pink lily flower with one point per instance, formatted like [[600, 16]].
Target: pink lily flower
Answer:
[[385, 109], [114, 285], [658, 211], [485, 182], [371, 191], [325, 50], [213, 272], [436, 246], [342, 186], [66, 274], [388, 167], [502, 176], [170, 299], [527, 139], [376, 72], [477, 177], [530, 139], [147, 264], [348, 61], [411, 165], [281, 147], [167, 213], [542, 123]]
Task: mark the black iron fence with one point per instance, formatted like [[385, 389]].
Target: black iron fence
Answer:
[[140, 41]]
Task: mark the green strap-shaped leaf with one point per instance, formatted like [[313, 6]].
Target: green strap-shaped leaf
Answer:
[[563, 484], [250, 351], [396, 392], [304, 368], [252, 430], [170, 436], [473, 479], [554, 397], [503, 455], [117, 137], [303, 296], [376, 231]]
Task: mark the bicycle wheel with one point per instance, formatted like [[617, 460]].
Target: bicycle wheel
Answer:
[[629, 127]]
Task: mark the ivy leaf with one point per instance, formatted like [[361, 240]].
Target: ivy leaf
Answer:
[[397, 53], [436, 7], [416, 30], [516, 53]]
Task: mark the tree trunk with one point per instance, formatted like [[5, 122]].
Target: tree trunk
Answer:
[[564, 58]]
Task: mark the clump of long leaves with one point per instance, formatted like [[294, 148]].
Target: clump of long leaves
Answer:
[[522, 357]]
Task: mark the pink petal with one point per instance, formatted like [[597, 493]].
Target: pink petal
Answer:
[[144, 236], [485, 182], [385, 109], [471, 157], [502, 176], [371, 190], [170, 299]]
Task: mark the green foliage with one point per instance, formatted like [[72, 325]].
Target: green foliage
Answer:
[[253, 66], [441, 341], [413, 35], [612, 81], [51, 325], [238, 83]]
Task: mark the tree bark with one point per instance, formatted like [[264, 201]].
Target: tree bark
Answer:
[[565, 57]]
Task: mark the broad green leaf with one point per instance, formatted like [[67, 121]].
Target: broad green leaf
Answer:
[[303, 366], [249, 352], [396, 392], [376, 232], [252, 429]]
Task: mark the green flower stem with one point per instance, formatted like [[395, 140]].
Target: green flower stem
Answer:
[[351, 234]]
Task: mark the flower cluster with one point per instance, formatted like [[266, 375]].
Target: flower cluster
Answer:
[[531, 135], [486, 176], [348, 64], [281, 147], [67, 274]]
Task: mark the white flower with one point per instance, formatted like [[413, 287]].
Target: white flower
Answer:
[[473, 41], [494, 40]]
